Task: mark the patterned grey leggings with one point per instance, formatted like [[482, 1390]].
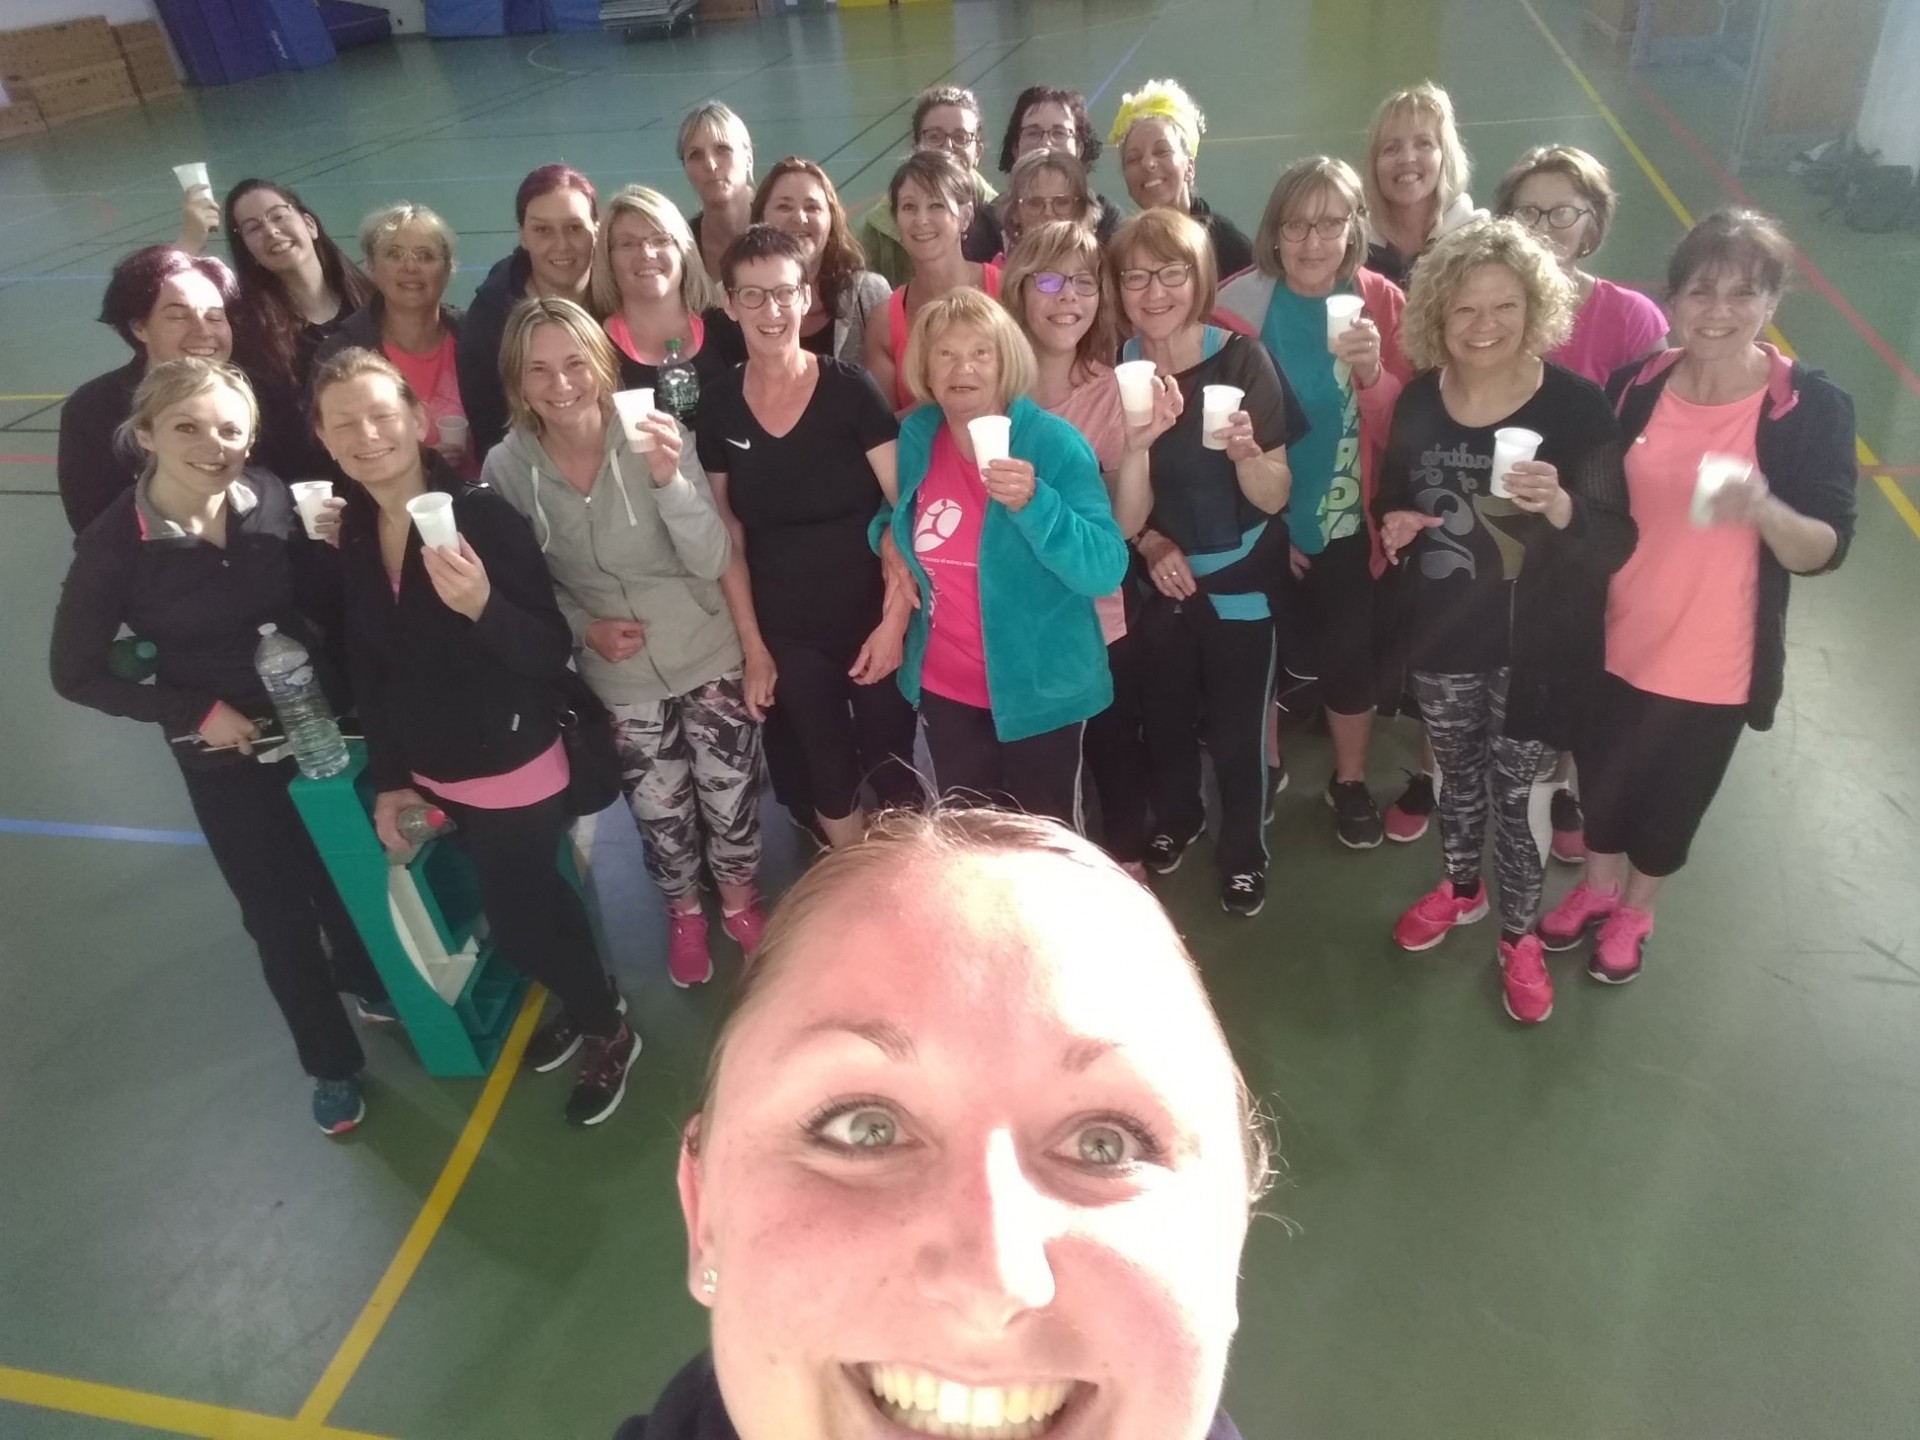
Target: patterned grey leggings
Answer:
[[691, 769], [1464, 716]]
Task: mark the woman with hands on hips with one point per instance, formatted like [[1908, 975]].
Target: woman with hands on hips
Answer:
[[647, 580]]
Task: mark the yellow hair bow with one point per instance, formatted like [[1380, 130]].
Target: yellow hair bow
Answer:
[[1151, 102]]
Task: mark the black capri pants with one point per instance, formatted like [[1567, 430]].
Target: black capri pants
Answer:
[[1331, 614], [842, 732], [1649, 772]]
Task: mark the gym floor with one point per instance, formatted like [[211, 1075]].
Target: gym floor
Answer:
[[1686, 1208]]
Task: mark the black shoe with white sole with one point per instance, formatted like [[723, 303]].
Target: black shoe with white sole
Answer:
[[556, 1042], [1356, 819], [1164, 852], [1244, 894], [603, 1076]]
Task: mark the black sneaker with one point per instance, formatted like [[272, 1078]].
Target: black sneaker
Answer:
[[603, 1076], [1569, 824], [1408, 817], [1356, 819], [1164, 852], [555, 1042], [1244, 894]]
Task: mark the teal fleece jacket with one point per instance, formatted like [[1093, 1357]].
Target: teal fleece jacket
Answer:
[[1041, 568]]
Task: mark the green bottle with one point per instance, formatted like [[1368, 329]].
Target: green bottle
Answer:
[[131, 658]]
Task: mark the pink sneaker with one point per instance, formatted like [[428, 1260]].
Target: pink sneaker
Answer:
[[1526, 986], [1437, 912], [746, 927], [1577, 916], [1569, 824], [1407, 818], [688, 960], [1621, 942]]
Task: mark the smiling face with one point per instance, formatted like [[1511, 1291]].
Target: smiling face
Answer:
[[797, 204], [963, 372], [1058, 322], [1488, 319], [1158, 311], [1157, 166], [930, 227], [1546, 191], [278, 236], [558, 237], [188, 318], [1312, 263], [1047, 126], [1721, 312], [974, 1161], [410, 268], [200, 444], [771, 328], [717, 165], [646, 261], [371, 431], [1407, 168], [559, 382]]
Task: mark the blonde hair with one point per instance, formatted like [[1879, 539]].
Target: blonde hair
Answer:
[[901, 839], [971, 308], [350, 364], [1293, 192], [1172, 239], [1444, 269], [516, 343], [1588, 175], [718, 117], [697, 290], [1429, 103], [391, 219], [1161, 100], [174, 382], [1045, 247]]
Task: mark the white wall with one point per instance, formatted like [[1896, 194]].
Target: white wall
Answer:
[[17, 14], [1890, 115]]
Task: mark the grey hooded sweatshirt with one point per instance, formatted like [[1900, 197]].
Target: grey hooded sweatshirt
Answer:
[[629, 551]]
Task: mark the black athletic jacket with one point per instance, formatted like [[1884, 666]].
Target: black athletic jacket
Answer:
[[477, 360]]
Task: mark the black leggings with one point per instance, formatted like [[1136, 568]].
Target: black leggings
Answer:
[[287, 902], [539, 920], [1332, 609], [842, 732], [1040, 774], [1117, 763]]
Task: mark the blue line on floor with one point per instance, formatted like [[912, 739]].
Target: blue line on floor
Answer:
[[100, 832], [1125, 60]]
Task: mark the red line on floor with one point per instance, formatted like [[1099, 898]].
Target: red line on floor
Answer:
[[26, 459], [1823, 286]]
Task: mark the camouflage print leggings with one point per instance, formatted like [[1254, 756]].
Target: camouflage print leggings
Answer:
[[691, 768]]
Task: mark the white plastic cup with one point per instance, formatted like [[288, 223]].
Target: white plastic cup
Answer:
[[309, 498], [992, 437], [1217, 404], [633, 406], [1342, 311], [193, 176], [1716, 472], [1136, 389], [453, 430], [433, 517], [1511, 445]]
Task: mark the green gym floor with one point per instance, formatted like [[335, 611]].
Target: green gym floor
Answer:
[[1690, 1208]]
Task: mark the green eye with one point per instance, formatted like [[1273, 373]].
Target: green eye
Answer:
[[859, 1127]]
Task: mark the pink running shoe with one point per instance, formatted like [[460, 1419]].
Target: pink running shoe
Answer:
[[1407, 818], [1583, 911], [746, 927], [688, 960], [1435, 913], [1621, 943], [1569, 824], [1527, 989]]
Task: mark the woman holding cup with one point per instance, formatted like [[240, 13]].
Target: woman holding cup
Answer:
[[199, 211], [1696, 620], [647, 581], [1509, 560], [1416, 178], [1333, 328], [1211, 552], [843, 295], [1009, 535]]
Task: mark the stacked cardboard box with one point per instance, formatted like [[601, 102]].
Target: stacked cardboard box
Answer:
[[22, 117], [67, 70], [143, 45]]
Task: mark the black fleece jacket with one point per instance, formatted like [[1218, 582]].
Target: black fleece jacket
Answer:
[[90, 471], [478, 356]]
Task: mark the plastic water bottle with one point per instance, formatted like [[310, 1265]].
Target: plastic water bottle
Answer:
[[677, 387], [131, 658], [420, 823], [306, 719]]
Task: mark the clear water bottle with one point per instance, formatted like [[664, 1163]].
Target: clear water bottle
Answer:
[[420, 823], [677, 387], [306, 719]]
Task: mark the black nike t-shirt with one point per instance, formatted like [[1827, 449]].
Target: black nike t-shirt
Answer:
[[805, 500]]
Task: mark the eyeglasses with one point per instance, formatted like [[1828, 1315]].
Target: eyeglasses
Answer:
[[1060, 137], [752, 297], [1062, 207], [1560, 217], [1172, 277], [643, 245], [1329, 228], [1052, 282], [949, 139], [421, 255], [278, 216]]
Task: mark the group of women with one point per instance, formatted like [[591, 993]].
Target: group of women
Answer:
[[1061, 493]]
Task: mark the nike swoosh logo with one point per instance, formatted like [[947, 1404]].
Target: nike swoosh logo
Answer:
[[743, 444]]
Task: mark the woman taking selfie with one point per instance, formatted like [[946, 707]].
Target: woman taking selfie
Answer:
[[798, 198], [1158, 131]]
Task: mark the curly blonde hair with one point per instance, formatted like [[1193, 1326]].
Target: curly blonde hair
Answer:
[[1444, 268]]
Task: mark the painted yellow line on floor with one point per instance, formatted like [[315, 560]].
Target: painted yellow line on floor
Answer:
[[1902, 506], [156, 1412], [4, 398], [426, 1225]]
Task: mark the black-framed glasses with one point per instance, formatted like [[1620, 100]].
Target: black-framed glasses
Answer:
[[1058, 137], [1170, 276], [1052, 282], [949, 140], [752, 297], [1558, 217], [1060, 207], [1327, 228]]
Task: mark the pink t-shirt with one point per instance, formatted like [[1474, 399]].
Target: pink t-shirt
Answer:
[[1094, 410], [1614, 326], [1680, 612], [947, 513], [436, 380]]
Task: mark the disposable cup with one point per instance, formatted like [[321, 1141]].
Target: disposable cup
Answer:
[[1218, 402], [308, 498], [1716, 472], [193, 176], [1510, 446], [453, 429], [633, 406], [433, 517], [1342, 311], [992, 439], [1136, 389]]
